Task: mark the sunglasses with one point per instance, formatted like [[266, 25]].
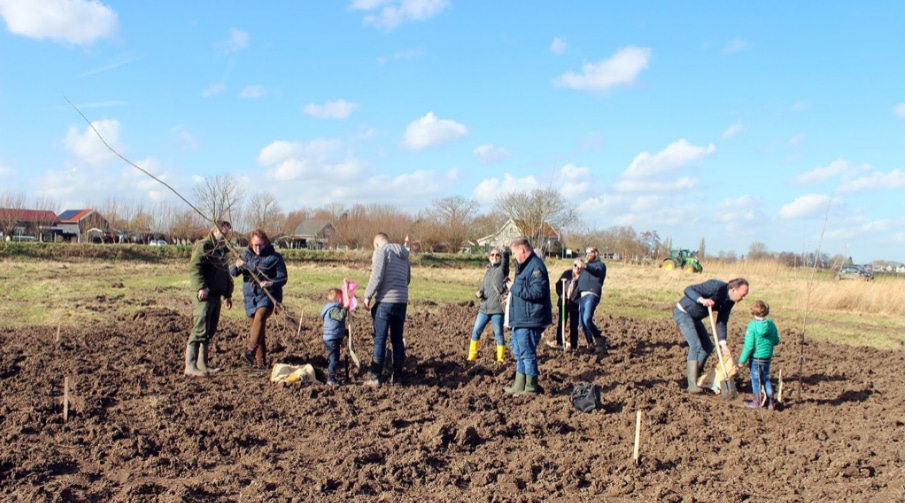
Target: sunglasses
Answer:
[[494, 254]]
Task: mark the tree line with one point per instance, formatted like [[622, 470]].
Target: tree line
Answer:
[[448, 224]]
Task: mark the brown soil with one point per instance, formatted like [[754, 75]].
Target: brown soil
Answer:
[[139, 431]]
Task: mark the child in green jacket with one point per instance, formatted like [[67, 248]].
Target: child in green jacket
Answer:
[[760, 338]]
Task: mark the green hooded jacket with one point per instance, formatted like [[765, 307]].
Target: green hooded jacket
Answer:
[[760, 338]]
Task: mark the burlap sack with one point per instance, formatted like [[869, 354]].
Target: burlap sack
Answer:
[[709, 380], [293, 374]]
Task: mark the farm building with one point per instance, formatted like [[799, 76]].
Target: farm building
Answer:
[[27, 225], [549, 238], [312, 234], [87, 226]]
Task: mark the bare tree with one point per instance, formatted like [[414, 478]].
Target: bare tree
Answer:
[[537, 212], [757, 251], [264, 212], [13, 202], [219, 197], [453, 216]]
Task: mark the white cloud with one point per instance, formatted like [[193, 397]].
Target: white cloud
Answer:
[[823, 173], [392, 13], [573, 181], [796, 139], [79, 22], [428, 131], [237, 41], [806, 206], [619, 70], [558, 46], [489, 153], [6, 172], [899, 110], [736, 45], [107, 67], [895, 179], [86, 145], [669, 160], [487, 192], [339, 109], [742, 215], [252, 92], [212, 90], [322, 159], [733, 131]]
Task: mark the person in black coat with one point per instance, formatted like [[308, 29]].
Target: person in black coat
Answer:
[[567, 286]]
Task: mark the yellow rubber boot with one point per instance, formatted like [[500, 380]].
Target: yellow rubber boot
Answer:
[[500, 353], [473, 350]]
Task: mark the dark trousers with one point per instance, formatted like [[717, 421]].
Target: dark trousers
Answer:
[[333, 346], [571, 317]]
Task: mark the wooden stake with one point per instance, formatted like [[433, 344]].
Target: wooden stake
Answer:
[[637, 437], [301, 316], [65, 399]]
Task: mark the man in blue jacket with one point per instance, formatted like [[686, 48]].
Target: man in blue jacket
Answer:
[[692, 308], [530, 311], [590, 285]]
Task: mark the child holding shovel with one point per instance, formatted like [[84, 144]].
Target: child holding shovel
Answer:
[[334, 316], [760, 339]]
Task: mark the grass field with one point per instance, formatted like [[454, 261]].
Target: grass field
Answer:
[[78, 290]]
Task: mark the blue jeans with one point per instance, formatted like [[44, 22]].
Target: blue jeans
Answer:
[[333, 346], [760, 374], [481, 321], [524, 347], [388, 319], [586, 307], [699, 344]]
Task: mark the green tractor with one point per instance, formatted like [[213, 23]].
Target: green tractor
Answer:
[[682, 259]]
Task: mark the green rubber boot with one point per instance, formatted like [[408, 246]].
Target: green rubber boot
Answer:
[[518, 386]]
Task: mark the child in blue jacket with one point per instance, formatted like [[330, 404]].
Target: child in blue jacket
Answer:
[[334, 316]]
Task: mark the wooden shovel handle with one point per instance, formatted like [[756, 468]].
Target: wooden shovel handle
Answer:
[[716, 340]]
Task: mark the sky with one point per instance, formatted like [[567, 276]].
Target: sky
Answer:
[[779, 123]]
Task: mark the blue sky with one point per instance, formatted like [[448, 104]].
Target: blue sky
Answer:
[[733, 123]]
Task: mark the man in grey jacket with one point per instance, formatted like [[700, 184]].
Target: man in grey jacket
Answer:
[[386, 297]]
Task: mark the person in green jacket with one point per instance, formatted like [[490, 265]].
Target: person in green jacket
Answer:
[[210, 280], [760, 338]]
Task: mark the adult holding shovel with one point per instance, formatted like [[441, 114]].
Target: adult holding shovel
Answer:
[[693, 308]]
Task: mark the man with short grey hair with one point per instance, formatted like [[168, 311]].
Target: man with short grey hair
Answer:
[[386, 296]]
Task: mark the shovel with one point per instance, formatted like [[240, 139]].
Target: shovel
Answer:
[[727, 385]]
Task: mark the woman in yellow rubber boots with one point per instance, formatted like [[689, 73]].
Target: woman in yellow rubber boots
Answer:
[[493, 288]]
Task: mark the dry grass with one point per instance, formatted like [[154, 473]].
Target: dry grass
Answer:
[[852, 312]]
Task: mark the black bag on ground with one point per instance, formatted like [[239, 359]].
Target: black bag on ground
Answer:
[[586, 397]]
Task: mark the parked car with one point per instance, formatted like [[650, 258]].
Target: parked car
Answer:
[[158, 242], [854, 272]]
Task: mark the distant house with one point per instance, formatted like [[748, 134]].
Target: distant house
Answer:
[[30, 225], [87, 226], [549, 242], [313, 234]]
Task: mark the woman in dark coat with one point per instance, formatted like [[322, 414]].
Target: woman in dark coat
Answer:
[[263, 274]]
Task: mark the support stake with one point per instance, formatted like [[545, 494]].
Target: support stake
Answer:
[[65, 399], [635, 453]]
